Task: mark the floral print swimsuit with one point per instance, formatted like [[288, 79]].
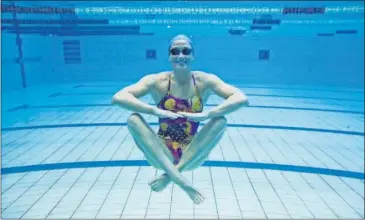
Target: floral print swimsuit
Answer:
[[178, 133]]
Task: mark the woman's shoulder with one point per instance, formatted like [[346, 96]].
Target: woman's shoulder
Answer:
[[156, 77], [162, 76], [201, 76], [161, 80]]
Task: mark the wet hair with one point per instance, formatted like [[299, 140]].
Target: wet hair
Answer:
[[181, 37]]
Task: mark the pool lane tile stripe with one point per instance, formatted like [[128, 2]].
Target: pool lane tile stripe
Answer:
[[212, 163], [22, 107], [358, 133]]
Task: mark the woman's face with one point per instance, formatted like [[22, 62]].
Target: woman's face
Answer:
[[181, 54]]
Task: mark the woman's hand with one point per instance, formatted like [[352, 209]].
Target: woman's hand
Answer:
[[202, 116], [166, 114]]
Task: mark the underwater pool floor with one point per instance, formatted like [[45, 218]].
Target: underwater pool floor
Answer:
[[296, 152]]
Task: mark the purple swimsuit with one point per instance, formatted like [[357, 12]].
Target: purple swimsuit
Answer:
[[179, 132]]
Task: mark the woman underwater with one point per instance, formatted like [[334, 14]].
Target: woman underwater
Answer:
[[181, 95]]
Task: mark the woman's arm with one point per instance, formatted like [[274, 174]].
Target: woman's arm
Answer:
[[235, 99], [128, 96]]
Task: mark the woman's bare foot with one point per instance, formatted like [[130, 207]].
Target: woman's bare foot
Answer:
[[160, 183], [194, 194]]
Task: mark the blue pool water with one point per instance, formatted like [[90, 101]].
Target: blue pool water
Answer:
[[297, 151]]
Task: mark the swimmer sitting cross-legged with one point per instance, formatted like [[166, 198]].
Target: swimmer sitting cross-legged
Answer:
[[181, 95]]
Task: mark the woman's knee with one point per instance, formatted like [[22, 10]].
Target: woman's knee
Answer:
[[220, 121], [134, 120]]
